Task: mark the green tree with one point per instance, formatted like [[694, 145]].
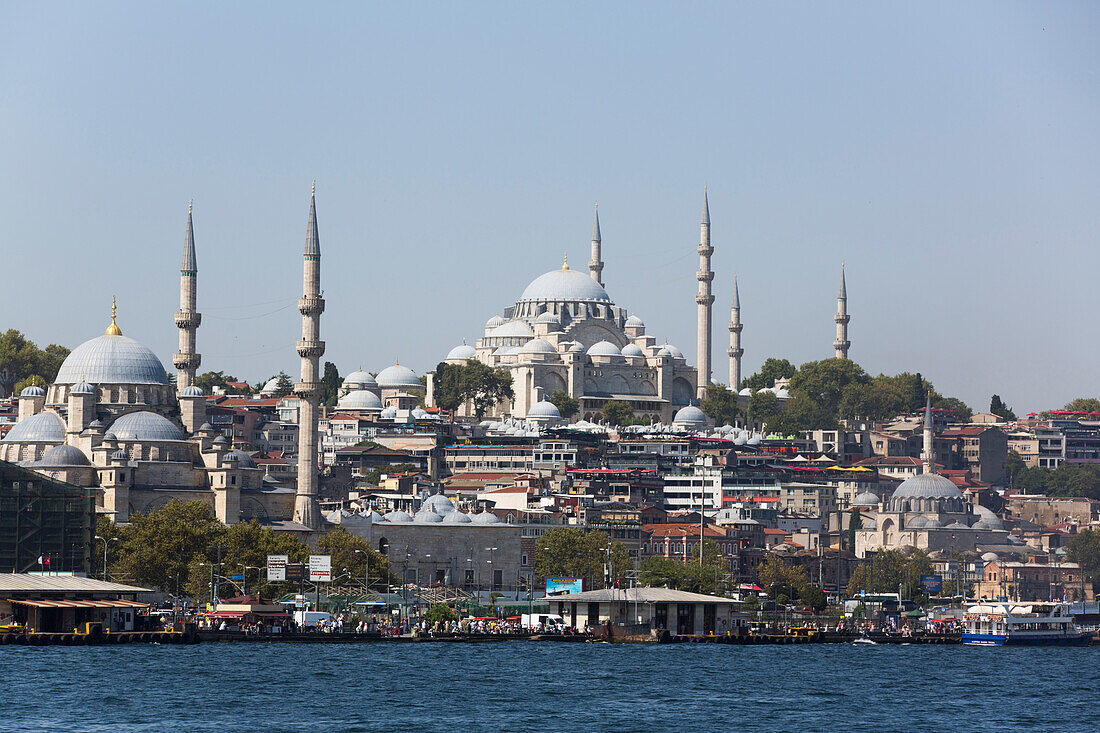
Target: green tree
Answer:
[[1084, 548], [888, 570], [439, 612], [855, 523], [771, 370], [283, 385], [209, 380], [32, 381], [1000, 409], [617, 412], [1013, 465], [474, 381], [881, 398], [352, 556], [331, 379], [961, 410], [1079, 404], [571, 552], [824, 382], [567, 406], [764, 408], [20, 358], [676, 574], [778, 578], [720, 404]]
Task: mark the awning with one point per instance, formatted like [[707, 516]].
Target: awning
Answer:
[[243, 614], [106, 603]]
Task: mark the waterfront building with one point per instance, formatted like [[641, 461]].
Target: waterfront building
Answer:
[[43, 518], [64, 602], [680, 612]]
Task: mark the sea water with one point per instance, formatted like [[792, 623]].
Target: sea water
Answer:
[[545, 686]]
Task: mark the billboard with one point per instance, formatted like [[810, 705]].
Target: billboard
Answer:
[[296, 571], [320, 568], [932, 584], [561, 586], [276, 567]]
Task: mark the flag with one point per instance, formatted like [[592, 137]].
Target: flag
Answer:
[[41, 560]]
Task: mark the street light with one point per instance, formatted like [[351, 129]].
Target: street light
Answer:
[[492, 575], [259, 577], [366, 571], [106, 543]]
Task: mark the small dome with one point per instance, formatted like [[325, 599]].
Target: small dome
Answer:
[[33, 391], [494, 322], [866, 498], [576, 348], [957, 525], [192, 391], [538, 346], [746, 392], [95, 425], [676, 353], [545, 409], [927, 486], [871, 525], [548, 318], [397, 376], [512, 329], [991, 557], [390, 413], [916, 522], [426, 515], [440, 504], [119, 455], [933, 523], [663, 351], [206, 427], [634, 322], [45, 427], [690, 416], [457, 518], [82, 388], [359, 399], [64, 455], [419, 413], [485, 517], [564, 285], [604, 348], [359, 380], [142, 426], [462, 351], [398, 517], [242, 459], [782, 393], [271, 387], [987, 519], [633, 351]]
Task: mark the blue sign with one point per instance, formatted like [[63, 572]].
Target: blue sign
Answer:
[[561, 586], [933, 584], [236, 577]]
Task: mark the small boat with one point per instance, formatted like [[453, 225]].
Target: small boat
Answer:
[[864, 640], [1022, 624]]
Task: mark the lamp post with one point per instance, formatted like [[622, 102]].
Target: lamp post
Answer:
[[106, 543], [366, 571], [259, 577], [492, 575]]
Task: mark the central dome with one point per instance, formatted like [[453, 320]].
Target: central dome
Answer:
[[111, 359], [927, 486], [558, 285]]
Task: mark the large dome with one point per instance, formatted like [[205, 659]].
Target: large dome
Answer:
[[111, 359], [927, 486], [398, 376], [144, 426], [558, 285]]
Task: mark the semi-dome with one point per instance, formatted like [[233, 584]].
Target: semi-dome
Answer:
[[634, 322], [242, 459], [866, 498], [359, 379], [494, 322], [64, 455], [604, 348], [512, 329], [990, 557], [33, 391], [916, 522], [545, 409], [397, 376], [564, 285], [987, 519], [112, 359], [440, 504], [927, 486], [145, 426], [538, 346], [633, 350], [485, 517], [45, 427], [192, 391], [548, 318], [462, 351], [359, 399], [690, 416]]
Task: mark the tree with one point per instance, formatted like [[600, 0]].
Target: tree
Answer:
[[777, 578], [571, 552], [962, 411], [677, 574], [855, 523], [720, 404], [283, 385], [1084, 548], [209, 380], [20, 358], [32, 381], [1079, 404], [1013, 465], [483, 385], [824, 382], [331, 380], [888, 570], [567, 406], [764, 408], [881, 398], [617, 412], [1000, 409], [771, 370], [439, 612], [353, 556]]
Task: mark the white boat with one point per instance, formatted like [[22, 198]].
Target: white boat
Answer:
[[864, 640], [1022, 624]]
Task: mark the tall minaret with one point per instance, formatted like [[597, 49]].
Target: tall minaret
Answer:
[[928, 456], [188, 319], [735, 351], [595, 266], [704, 299], [308, 390], [842, 343]]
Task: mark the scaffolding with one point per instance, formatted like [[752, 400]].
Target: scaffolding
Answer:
[[47, 519]]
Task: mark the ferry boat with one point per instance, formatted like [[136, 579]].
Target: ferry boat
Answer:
[[1022, 624]]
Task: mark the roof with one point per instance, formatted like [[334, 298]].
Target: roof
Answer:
[[111, 359], [35, 583], [641, 595], [564, 285], [970, 430]]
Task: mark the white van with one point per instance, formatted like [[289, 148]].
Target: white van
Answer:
[[546, 620], [309, 619]]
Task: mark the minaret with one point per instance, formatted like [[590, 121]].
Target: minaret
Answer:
[[928, 456], [309, 389], [595, 266], [704, 299], [188, 319], [735, 350], [842, 343]]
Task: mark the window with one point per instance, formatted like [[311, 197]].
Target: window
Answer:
[[523, 559]]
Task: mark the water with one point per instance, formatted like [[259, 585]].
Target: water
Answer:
[[527, 686]]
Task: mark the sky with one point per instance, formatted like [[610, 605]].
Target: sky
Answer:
[[948, 153]]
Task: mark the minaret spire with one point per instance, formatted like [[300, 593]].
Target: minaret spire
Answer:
[[735, 351], [309, 388], [186, 360], [595, 266], [928, 456], [704, 300], [842, 343]]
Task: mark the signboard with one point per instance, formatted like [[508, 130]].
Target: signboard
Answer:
[[561, 586], [933, 584], [320, 568], [238, 577], [276, 567], [296, 572]]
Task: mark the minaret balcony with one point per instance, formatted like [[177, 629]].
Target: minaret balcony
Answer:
[[188, 319], [841, 345], [704, 299], [842, 318], [704, 276], [309, 390], [706, 250], [310, 349], [736, 327], [186, 361], [735, 353], [311, 306]]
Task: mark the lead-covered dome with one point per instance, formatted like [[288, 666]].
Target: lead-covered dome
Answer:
[[110, 359], [462, 351], [633, 351], [63, 455], [359, 380], [45, 427], [690, 416], [604, 348], [927, 486], [440, 504], [360, 399], [145, 426], [33, 391], [568, 285], [545, 409], [866, 498], [538, 346], [397, 376], [512, 329]]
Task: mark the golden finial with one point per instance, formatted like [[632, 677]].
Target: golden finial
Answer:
[[565, 262], [189, 204], [113, 329], [313, 192]]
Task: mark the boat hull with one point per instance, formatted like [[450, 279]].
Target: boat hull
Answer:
[[1081, 639]]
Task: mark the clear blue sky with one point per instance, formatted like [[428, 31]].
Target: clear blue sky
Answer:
[[948, 152]]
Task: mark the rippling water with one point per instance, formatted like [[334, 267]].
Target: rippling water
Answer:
[[524, 686]]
